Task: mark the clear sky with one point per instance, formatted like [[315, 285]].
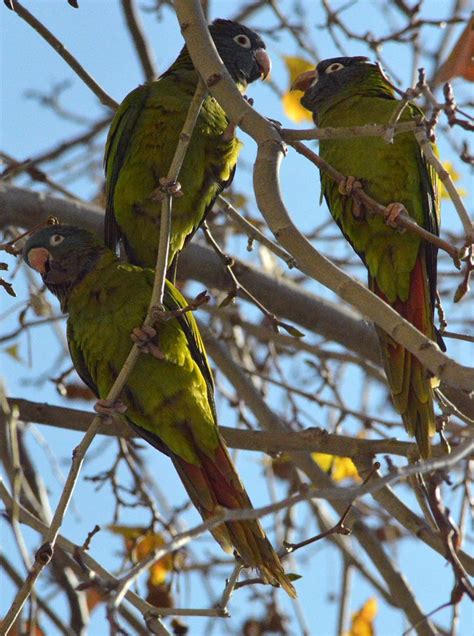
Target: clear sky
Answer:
[[97, 36]]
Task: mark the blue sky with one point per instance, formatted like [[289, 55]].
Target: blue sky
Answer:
[[96, 35]]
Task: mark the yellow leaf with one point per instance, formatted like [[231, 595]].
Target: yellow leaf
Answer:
[[455, 177], [291, 99], [339, 467], [139, 543], [362, 621]]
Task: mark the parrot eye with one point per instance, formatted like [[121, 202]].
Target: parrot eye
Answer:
[[56, 239], [243, 40], [334, 67]]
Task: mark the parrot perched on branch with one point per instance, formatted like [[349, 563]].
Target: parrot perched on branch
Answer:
[[168, 395], [143, 138], [351, 91]]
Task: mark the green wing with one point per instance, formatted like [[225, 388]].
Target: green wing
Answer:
[[117, 145], [78, 360], [140, 148], [175, 300]]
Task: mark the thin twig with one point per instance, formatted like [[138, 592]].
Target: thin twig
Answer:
[[142, 47], [345, 132], [254, 233], [59, 47], [403, 220], [445, 177], [45, 552]]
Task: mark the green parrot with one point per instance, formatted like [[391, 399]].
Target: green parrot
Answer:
[[142, 141], [352, 91], [168, 397]]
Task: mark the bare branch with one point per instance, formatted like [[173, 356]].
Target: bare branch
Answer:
[[145, 52], [59, 47]]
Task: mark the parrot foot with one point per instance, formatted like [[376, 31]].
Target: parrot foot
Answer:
[[393, 212], [106, 409], [167, 188], [142, 337], [348, 185], [229, 132], [160, 315]]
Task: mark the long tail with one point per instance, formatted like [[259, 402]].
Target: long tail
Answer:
[[410, 384], [216, 483]]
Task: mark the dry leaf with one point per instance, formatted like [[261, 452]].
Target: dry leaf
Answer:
[[363, 621], [339, 467], [291, 99], [93, 598], [139, 543], [15, 630], [14, 352], [455, 177], [460, 62]]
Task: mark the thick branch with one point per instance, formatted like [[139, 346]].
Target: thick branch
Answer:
[[309, 440], [335, 322]]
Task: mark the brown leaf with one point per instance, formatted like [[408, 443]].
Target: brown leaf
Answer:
[[93, 598], [159, 595], [460, 61], [8, 287]]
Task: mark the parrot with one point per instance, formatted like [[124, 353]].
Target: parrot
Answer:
[[352, 91], [142, 141], [168, 397]]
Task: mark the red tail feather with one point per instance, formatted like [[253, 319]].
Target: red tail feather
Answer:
[[410, 383], [215, 483]]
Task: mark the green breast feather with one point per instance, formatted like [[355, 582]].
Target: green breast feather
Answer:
[[390, 256], [159, 394]]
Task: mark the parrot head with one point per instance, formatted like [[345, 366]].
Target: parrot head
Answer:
[[63, 255], [338, 78], [242, 51]]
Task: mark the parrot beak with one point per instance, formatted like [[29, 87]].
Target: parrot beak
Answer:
[[264, 62], [38, 258], [305, 80]]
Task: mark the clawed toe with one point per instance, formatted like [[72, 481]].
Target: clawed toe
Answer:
[[142, 337], [108, 408], [229, 132], [348, 185], [393, 212]]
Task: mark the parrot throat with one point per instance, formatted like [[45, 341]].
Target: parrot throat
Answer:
[[63, 291], [327, 96]]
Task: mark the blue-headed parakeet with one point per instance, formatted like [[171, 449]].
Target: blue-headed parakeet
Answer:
[[143, 138], [352, 91], [169, 395]]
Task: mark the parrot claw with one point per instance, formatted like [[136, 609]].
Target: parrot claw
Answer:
[[348, 185], [393, 212], [106, 409], [142, 337], [161, 315], [167, 188], [229, 132]]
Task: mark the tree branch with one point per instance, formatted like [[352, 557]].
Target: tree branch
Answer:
[[59, 47]]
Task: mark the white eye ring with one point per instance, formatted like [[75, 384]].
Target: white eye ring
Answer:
[[56, 239], [243, 40], [334, 67]]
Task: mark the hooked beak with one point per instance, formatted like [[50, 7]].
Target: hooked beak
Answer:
[[264, 62], [38, 258], [305, 80]]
